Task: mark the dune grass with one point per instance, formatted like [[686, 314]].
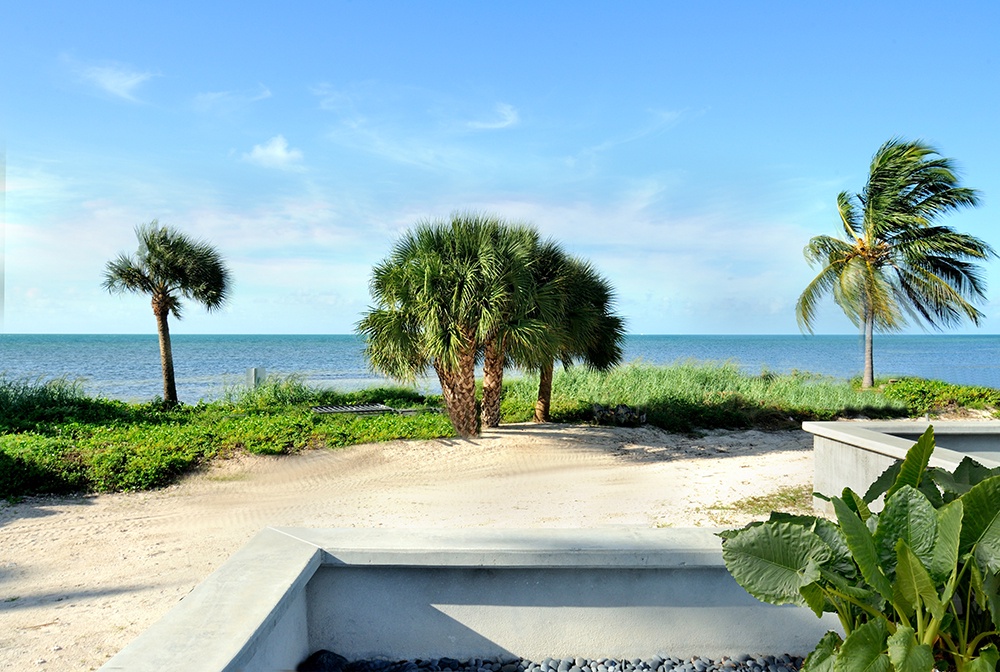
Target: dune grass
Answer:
[[692, 395]]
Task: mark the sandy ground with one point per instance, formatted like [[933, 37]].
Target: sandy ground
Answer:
[[81, 577]]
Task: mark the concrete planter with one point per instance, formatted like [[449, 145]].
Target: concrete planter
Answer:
[[397, 594], [853, 454]]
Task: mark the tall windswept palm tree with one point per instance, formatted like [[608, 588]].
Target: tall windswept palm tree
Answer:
[[895, 262], [169, 266], [436, 305]]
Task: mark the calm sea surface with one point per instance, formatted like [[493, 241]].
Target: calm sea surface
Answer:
[[128, 366]]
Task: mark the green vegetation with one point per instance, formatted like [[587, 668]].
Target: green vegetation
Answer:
[[894, 260], [476, 288], [915, 586], [54, 439], [687, 396], [796, 499], [169, 265], [934, 396]]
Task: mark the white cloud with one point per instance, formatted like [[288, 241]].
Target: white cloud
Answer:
[[508, 117], [117, 79], [275, 154], [226, 101]]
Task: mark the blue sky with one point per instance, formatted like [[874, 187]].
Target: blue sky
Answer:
[[689, 150]]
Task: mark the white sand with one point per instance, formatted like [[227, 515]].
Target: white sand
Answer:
[[80, 577]]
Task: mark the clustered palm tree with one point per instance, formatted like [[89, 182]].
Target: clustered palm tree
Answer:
[[476, 288], [168, 266], [895, 261]]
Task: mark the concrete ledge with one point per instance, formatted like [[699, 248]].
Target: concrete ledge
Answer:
[[853, 454], [247, 614], [619, 592]]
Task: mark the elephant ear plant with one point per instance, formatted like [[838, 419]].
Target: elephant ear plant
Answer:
[[916, 587]]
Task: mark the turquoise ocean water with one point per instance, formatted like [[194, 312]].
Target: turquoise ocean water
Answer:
[[128, 366]]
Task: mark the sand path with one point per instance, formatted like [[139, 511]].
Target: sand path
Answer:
[[81, 576]]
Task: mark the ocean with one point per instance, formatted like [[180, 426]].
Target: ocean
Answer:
[[128, 366]]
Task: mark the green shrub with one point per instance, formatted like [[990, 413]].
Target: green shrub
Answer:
[[30, 463], [914, 587], [930, 396], [55, 440]]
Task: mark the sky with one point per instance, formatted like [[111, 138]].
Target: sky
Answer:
[[689, 150]]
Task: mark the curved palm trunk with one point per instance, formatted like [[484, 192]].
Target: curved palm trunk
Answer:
[[492, 384], [544, 400], [166, 354], [869, 376]]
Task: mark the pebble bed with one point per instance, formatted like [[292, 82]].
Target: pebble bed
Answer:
[[741, 663]]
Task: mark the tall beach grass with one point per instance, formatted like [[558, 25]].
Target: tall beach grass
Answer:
[[692, 395]]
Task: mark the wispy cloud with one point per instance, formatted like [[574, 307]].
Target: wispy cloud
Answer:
[[275, 153], [227, 101], [508, 117], [661, 121], [117, 79]]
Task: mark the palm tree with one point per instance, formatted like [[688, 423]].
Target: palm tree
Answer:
[[894, 261], [525, 308], [168, 266], [581, 323], [437, 304]]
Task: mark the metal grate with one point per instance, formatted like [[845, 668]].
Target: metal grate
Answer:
[[359, 409]]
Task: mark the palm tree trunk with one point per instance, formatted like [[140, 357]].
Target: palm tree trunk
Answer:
[[492, 384], [459, 391], [869, 376], [166, 354], [544, 400], [464, 416]]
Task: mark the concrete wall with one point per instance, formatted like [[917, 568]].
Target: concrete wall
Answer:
[[853, 454], [618, 592]]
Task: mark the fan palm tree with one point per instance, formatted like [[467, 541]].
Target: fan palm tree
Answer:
[[168, 266], [895, 262], [582, 326], [526, 308], [438, 301]]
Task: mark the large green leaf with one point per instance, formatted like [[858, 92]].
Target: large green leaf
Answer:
[[906, 655], [987, 660], [862, 546], [981, 523], [914, 466], [881, 484], [824, 655], [913, 586], [816, 599], [864, 650], [840, 556], [856, 503], [944, 558], [774, 561], [967, 474], [910, 517], [990, 597]]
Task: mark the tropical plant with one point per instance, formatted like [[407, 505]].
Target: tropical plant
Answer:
[[895, 261], [524, 308], [439, 299], [583, 327], [916, 586], [169, 265]]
